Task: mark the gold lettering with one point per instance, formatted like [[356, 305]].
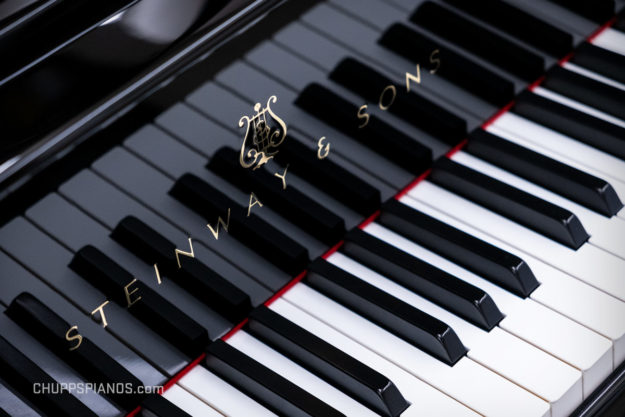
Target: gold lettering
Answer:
[[252, 204], [221, 222], [282, 177], [158, 275], [100, 309], [393, 91], [324, 148], [76, 337], [412, 77], [362, 114], [434, 59], [189, 254], [129, 293]]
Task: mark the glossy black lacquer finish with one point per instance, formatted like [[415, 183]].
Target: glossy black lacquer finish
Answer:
[[262, 384], [338, 182], [461, 71], [292, 204], [583, 188], [440, 287], [22, 374], [519, 24], [410, 106], [574, 123], [486, 260], [146, 304], [381, 137], [90, 59], [88, 359], [545, 218], [320, 357], [199, 279], [481, 41], [405, 321], [251, 230]]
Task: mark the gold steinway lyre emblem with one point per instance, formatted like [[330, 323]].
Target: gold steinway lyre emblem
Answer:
[[265, 131]]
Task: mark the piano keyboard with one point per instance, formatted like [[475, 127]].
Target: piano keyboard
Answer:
[[459, 249]]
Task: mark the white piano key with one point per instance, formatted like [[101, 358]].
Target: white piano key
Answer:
[[220, 395], [188, 403], [617, 184], [538, 372], [425, 400], [467, 381], [591, 74], [611, 40], [309, 382], [559, 291], [606, 233], [559, 98], [588, 263], [561, 144], [546, 329]]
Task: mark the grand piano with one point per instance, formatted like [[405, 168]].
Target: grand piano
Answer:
[[312, 208]]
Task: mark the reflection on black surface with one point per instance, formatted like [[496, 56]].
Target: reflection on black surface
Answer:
[[78, 75]]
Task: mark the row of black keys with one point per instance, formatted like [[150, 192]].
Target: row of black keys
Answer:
[[363, 383], [533, 212], [489, 85], [420, 329]]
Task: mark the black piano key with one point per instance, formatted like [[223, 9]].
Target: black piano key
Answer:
[[594, 93], [335, 180], [22, 374], [560, 178], [94, 364], [533, 212], [261, 237], [602, 61], [4, 413], [599, 11], [155, 405], [376, 134], [193, 275], [461, 71], [484, 259], [440, 287], [410, 106], [405, 321], [481, 41], [341, 370], [290, 202], [262, 384], [574, 123], [519, 24], [152, 309]]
